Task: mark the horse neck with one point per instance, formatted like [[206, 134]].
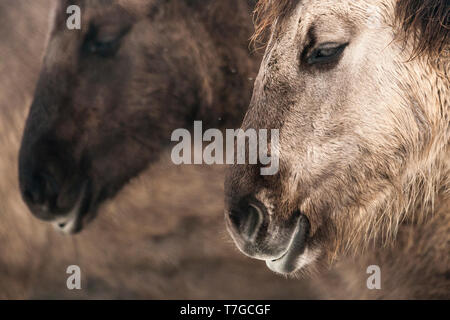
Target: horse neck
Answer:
[[229, 26]]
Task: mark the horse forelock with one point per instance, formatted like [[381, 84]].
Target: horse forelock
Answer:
[[424, 22]]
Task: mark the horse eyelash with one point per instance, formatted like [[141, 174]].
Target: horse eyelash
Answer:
[[339, 49]]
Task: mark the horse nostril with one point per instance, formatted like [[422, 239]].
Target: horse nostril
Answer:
[[235, 217], [34, 191], [247, 219], [41, 189], [254, 220]]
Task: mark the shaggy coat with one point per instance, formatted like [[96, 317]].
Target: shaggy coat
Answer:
[[364, 143], [96, 117]]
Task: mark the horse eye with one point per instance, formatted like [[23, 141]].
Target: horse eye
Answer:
[[103, 46], [328, 52]]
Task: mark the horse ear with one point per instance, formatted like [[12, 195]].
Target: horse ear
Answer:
[[427, 24]]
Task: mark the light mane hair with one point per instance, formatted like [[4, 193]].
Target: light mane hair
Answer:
[[425, 23]]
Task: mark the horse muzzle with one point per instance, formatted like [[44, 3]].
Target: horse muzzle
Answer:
[[259, 236]]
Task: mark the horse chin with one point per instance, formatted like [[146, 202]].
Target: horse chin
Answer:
[[91, 197], [81, 213]]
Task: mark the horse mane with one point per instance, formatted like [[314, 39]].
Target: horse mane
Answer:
[[265, 14], [425, 22]]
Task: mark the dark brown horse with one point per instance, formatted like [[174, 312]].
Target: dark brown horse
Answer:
[[109, 95]]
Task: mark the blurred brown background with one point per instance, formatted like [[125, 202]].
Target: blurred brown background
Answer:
[[162, 237]]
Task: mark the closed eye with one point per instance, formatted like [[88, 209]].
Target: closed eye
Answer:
[[103, 45], [326, 53]]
